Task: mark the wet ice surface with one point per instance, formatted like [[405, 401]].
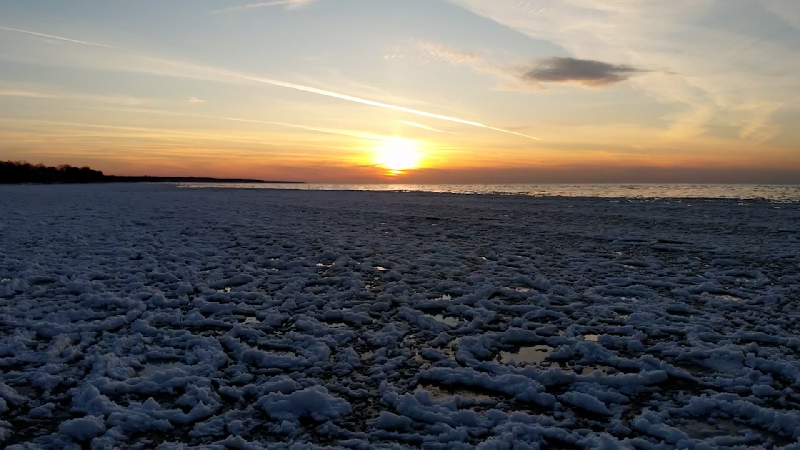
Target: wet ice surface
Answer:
[[132, 316]]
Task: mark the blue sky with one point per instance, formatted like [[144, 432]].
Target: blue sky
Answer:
[[408, 91]]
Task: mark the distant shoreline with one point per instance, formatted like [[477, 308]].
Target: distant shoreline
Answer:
[[23, 172], [113, 179], [146, 179]]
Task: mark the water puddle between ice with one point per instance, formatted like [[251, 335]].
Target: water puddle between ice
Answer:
[[447, 320], [250, 320], [526, 355], [732, 298], [440, 393], [697, 429], [522, 289], [591, 337], [224, 290], [324, 265], [588, 370], [381, 268], [159, 366], [444, 297], [366, 356]]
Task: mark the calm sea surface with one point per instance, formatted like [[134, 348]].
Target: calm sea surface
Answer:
[[787, 193]]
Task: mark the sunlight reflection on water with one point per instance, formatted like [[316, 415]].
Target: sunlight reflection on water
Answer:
[[639, 191]]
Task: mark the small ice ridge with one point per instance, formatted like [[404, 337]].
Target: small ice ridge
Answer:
[[159, 366]]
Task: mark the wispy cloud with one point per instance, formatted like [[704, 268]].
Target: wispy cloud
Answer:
[[529, 76], [432, 51], [722, 74], [299, 87], [196, 100], [26, 94], [67, 131], [449, 55], [290, 4], [26, 90]]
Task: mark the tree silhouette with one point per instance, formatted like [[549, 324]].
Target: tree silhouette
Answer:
[[16, 172]]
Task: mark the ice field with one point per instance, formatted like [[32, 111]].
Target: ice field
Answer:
[[143, 316]]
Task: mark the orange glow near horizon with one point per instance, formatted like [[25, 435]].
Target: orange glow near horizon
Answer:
[[398, 155]]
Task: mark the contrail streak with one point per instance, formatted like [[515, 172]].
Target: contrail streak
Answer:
[[298, 87], [58, 38], [424, 127], [364, 101], [263, 4]]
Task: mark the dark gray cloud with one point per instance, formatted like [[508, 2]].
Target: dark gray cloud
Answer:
[[582, 71]]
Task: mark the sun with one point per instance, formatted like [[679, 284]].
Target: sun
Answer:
[[397, 155]]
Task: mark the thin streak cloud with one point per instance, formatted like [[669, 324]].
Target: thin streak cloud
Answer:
[[50, 36], [299, 87], [290, 4], [364, 101], [423, 127]]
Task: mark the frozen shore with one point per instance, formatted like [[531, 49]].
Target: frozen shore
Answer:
[[138, 315]]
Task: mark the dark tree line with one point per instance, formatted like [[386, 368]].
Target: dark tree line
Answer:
[[15, 172], [18, 172]]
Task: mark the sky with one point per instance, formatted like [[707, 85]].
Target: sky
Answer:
[[411, 91]]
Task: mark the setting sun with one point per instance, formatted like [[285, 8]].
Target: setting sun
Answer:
[[398, 155]]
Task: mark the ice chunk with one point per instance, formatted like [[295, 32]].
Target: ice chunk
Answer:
[[389, 421], [314, 402], [84, 428], [585, 402]]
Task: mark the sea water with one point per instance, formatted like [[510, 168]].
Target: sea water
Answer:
[[787, 193]]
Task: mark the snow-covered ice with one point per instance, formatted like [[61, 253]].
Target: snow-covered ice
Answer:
[[141, 316]]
